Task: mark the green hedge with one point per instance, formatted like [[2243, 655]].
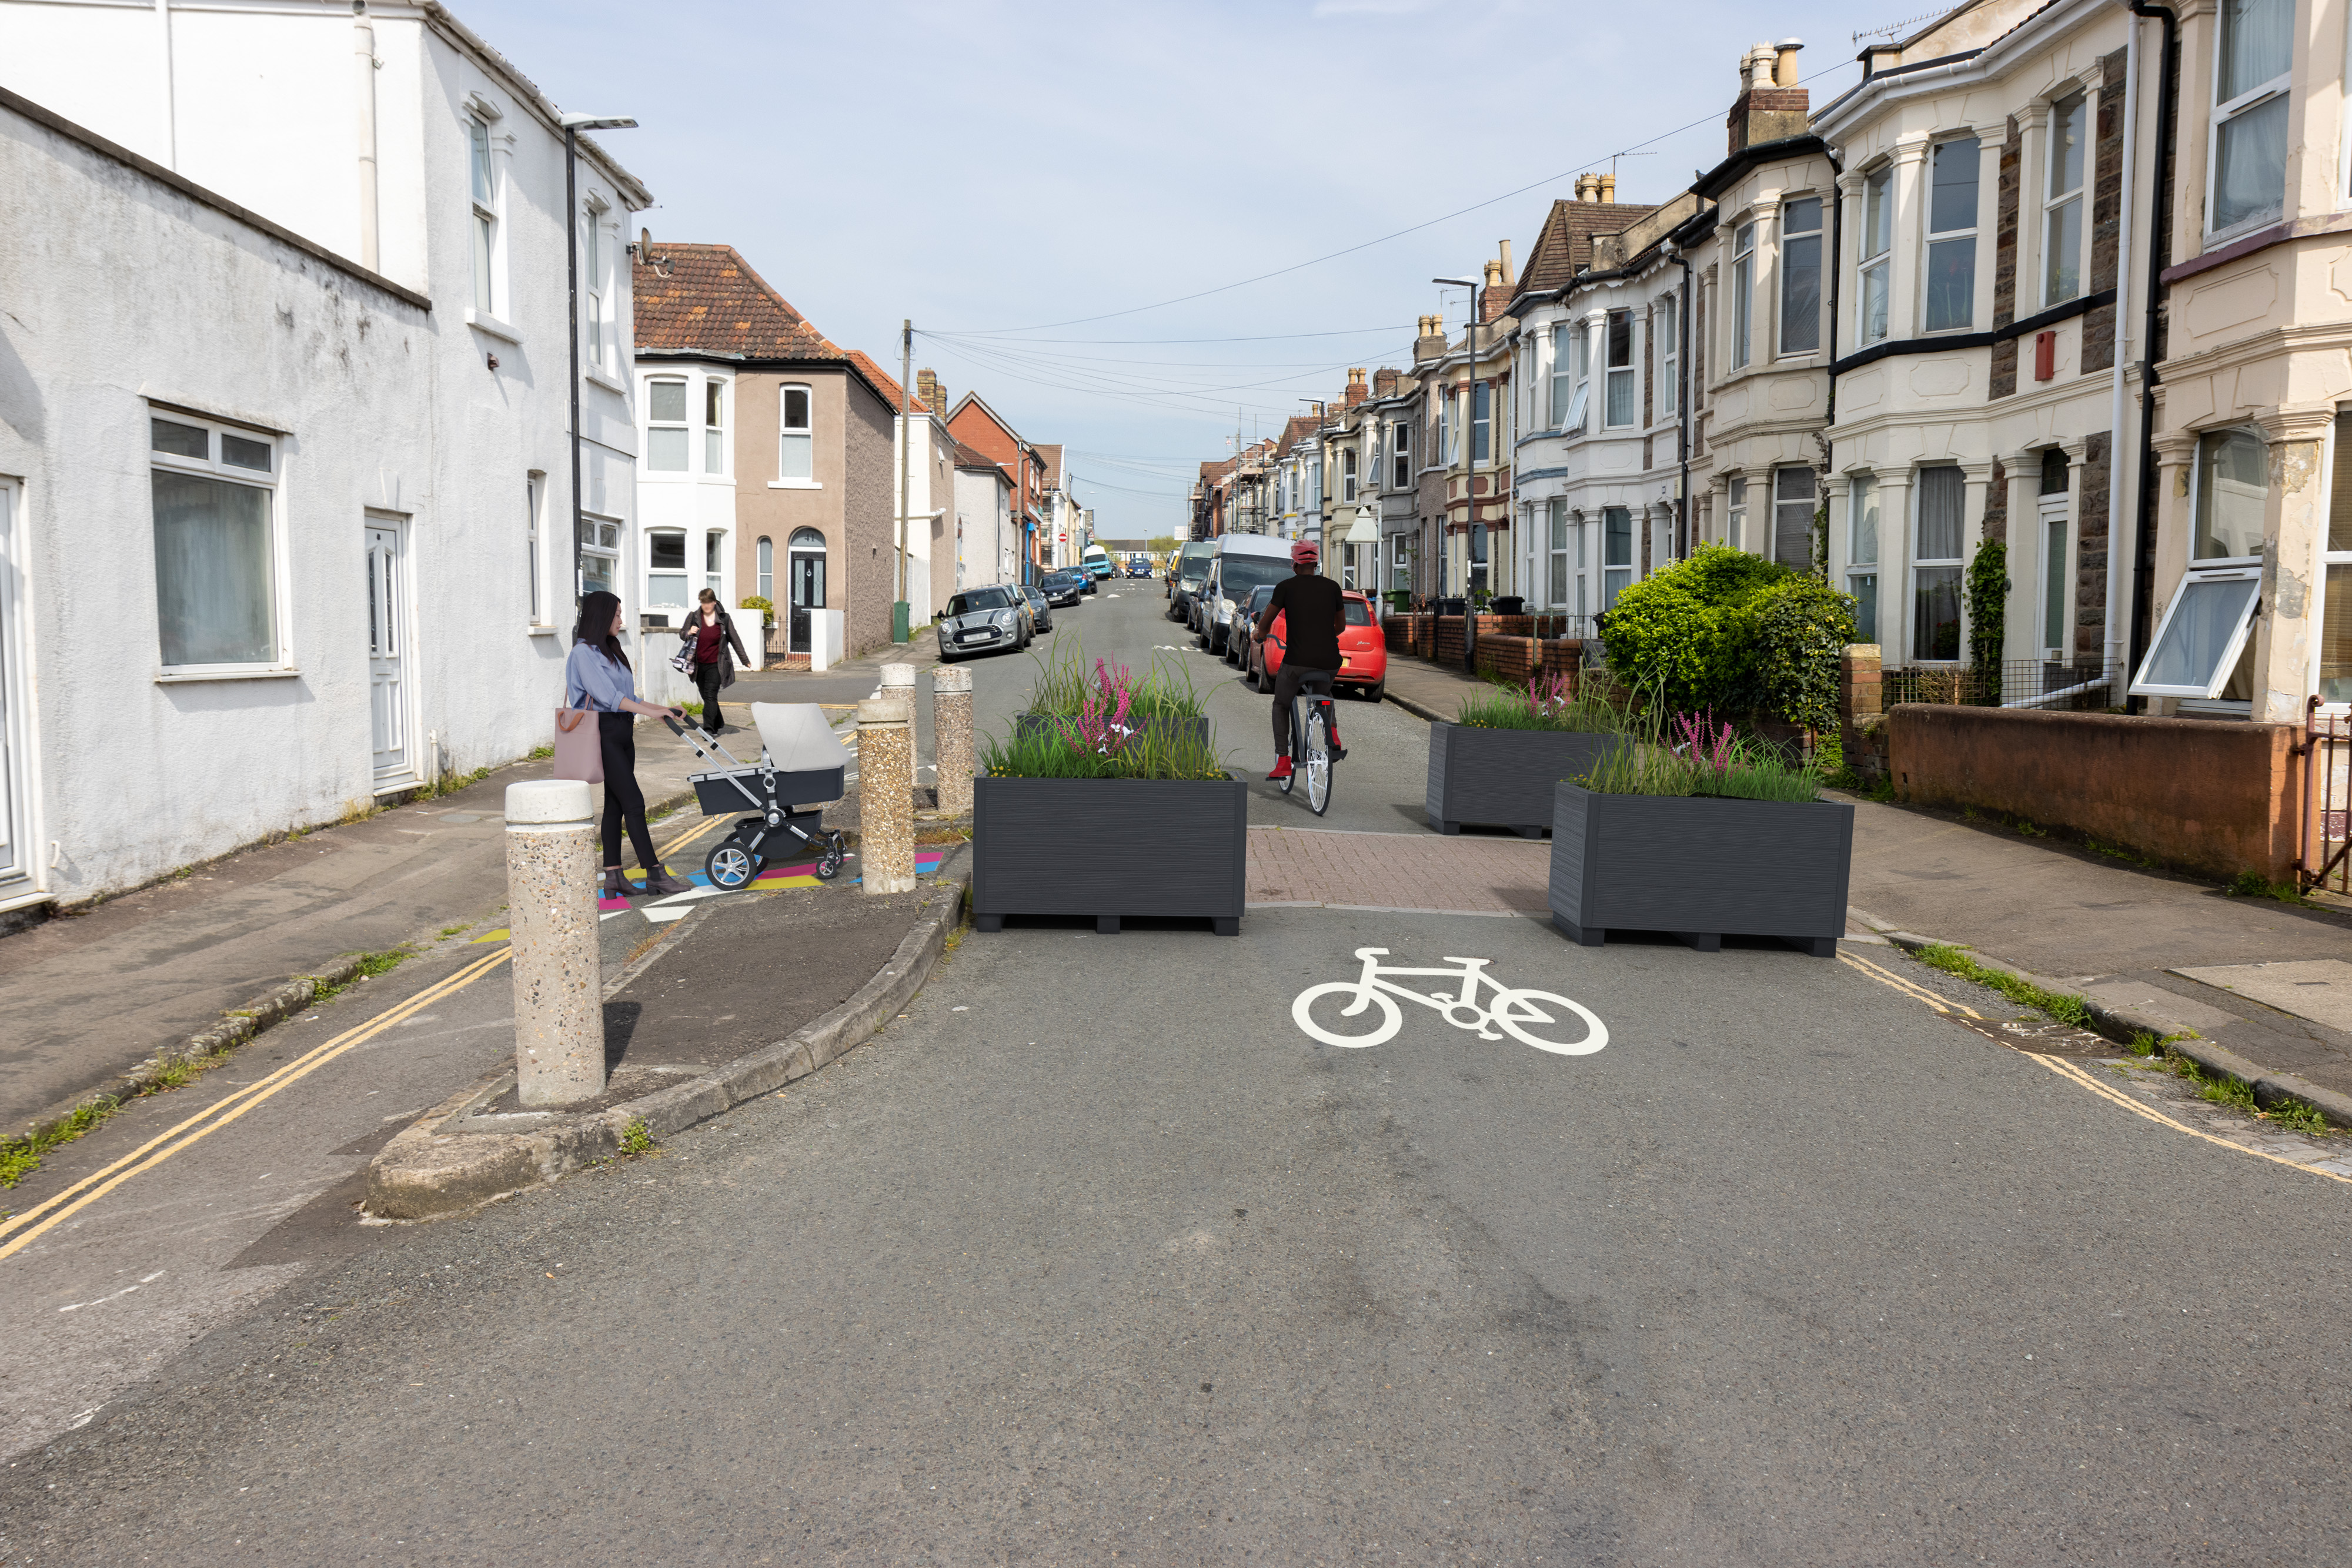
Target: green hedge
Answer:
[[1732, 632]]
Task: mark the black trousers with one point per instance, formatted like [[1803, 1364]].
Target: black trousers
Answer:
[[707, 678], [624, 803], [1288, 682]]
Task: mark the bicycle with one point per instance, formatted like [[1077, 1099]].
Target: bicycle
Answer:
[[1314, 740], [1514, 1009]]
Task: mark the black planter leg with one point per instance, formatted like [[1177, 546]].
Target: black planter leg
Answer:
[[988, 921], [1529, 831], [1450, 830], [1228, 924], [1583, 935], [1106, 924], [1815, 946], [1701, 941]]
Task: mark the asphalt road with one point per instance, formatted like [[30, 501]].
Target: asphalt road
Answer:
[[1096, 1253]]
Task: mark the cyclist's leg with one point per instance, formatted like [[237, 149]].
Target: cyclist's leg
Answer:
[[1318, 683], [1285, 694]]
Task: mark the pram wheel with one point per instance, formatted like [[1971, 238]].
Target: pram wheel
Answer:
[[828, 865], [730, 865]]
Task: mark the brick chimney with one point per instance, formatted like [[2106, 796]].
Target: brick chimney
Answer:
[[1770, 105], [1357, 390], [1431, 342], [934, 396], [1494, 295], [1385, 382]]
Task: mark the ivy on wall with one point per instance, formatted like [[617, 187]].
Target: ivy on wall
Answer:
[[1988, 614]]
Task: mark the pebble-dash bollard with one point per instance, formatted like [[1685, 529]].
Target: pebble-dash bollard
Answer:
[[886, 790], [951, 738], [898, 680], [559, 985]]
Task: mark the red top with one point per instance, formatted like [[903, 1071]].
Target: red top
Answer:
[[706, 637]]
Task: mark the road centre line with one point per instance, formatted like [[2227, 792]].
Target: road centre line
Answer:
[[100, 1183], [2070, 1072]]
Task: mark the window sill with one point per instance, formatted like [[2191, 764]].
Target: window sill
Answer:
[[538, 630], [795, 484], [228, 673], [599, 378], [482, 320]]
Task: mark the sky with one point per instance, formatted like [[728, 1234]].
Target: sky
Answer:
[[1062, 197]]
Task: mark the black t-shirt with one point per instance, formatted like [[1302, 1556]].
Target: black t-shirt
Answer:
[[1310, 607]]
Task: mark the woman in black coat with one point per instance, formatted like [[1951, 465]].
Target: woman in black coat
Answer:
[[710, 631]]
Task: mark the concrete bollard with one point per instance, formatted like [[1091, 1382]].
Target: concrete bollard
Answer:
[[559, 983], [951, 738], [898, 680], [886, 789]]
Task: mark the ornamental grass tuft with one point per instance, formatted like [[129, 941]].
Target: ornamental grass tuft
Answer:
[[1098, 724], [1690, 754], [1554, 702]]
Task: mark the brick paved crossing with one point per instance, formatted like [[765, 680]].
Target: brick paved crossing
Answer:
[[1464, 875]]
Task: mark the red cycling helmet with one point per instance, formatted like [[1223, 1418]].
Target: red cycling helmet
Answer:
[[1304, 553]]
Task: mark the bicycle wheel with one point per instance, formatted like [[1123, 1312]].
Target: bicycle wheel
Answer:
[[1542, 1010], [1391, 1015], [1319, 757]]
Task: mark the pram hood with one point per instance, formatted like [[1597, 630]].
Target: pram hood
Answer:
[[797, 739]]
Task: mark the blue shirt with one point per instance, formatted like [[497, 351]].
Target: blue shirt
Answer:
[[592, 681]]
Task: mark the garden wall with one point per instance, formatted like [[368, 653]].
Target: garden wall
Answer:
[[2211, 796]]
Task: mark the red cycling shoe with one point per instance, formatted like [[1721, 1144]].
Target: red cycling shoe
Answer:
[[1281, 770]]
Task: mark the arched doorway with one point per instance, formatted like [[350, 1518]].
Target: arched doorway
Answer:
[[806, 555]]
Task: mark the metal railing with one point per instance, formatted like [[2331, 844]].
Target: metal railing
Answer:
[[2088, 686], [2324, 858]]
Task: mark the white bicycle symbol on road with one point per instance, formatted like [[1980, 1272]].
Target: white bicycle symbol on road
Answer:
[[1519, 1012]]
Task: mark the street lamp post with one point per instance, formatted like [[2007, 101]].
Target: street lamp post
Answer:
[[572, 125], [1470, 488]]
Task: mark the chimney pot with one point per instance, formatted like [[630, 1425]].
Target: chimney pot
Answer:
[[1784, 62], [1607, 184], [1510, 273]]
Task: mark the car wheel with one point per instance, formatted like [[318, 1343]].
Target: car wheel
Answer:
[[946, 657], [1376, 691]]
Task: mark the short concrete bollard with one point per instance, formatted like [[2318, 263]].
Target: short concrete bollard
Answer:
[[886, 790], [898, 680], [558, 984], [951, 738]]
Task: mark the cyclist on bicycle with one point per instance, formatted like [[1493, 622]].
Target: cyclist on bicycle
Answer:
[[1311, 609]]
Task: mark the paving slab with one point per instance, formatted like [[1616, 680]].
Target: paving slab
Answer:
[[2318, 989]]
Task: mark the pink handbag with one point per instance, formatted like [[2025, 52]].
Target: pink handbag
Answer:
[[579, 746]]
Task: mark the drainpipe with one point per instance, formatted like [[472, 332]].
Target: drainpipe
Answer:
[[171, 109], [2111, 646], [1682, 394], [364, 60], [1837, 248], [2144, 540]]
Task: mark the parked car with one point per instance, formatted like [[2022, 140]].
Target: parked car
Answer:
[[1140, 565], [1243, 562], [1363, 652], [1062, 587], [1186, 573], [1095, 561], [983, 620], [1238, 646], [1040, 609]]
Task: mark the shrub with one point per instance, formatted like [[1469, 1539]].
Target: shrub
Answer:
[[1727, 632], [1803, 626], [1988, 615]]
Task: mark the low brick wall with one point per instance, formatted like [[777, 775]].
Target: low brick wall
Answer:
[[2212, 796], [1516, 658]]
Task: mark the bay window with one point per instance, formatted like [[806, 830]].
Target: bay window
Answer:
[[1736, 515], [1862, 556], [2061, 207], [1935, 566], [1622, 404], [1563, 371], [1556, 524], [1743, 290], [2335, 673], [1617, 553], [1801, 275], [1347, 473], [2252, 66], [1951, 283], [1792, 518], [1401, 454], [2201, 648], [1667, 322], [1875, 246], [2056, 544], [1482, 422]]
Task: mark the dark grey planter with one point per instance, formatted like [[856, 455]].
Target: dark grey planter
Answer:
[[1110, 848], [1700, 868], [1504, 778], [1197, 729]]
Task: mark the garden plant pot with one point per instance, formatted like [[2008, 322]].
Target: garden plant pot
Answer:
[[1504, 778], [1110, 848], [1700, 867]]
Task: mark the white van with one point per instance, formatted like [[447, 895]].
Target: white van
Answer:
[[1241, 562]]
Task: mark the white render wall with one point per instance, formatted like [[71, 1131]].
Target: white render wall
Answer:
[[987, 548]]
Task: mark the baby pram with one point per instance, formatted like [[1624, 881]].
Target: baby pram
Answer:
[[800, 763]]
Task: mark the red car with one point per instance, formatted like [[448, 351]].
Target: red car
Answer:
[[1364, 652]]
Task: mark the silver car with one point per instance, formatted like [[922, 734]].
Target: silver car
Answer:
[[980, 620]]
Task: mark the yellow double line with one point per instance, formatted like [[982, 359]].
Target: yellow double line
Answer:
[[1918, 993], [21, 1228]]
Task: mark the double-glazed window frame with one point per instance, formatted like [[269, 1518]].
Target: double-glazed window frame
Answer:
[[668, 435], [1563, 371], [1347, 473], [660, 570], [2065, 206], [1734, 511], [1621, 389], [2213, 573], [1958, 240], [1949, 570], [1400, 454], [1801, 262], [796, 442], [1743, 293], [1616, 553], [230, 451], [2053, 512], [714, 400], [1875, 252], [1862, 553], [482, 188], [2265, 98], [595, 319], [1666, 324]]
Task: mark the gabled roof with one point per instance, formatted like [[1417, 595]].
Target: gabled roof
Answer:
[[892, 393], [712, 301], [1565, 242], [1049, 458], [1296, 429], [965, 457]]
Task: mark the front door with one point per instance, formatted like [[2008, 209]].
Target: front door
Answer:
[[807, 585], [387, 600]]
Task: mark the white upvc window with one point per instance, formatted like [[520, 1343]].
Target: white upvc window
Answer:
[[1792, 518], [2062, 230], [2051, 511], [1623, 389], [1735, 513], [1347, 473], [1315, 482], [666, 568], [1617, 553], [1875, 249], [1579, 361], [1743, 291], [1563, 371], [1401, 454], [2200, 650], [485, 192], [1445, 424], [2246, 167], [1667, 324], [714, 563], [1940, 495], [534, 491], [1862, 555], [714, 426], [666, 431], [1482, 422], [2332, 677], [1949, 283], [1556, 541], [600, 554], [217, 567], [595, 328], [1801, 275], [796, 434]]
